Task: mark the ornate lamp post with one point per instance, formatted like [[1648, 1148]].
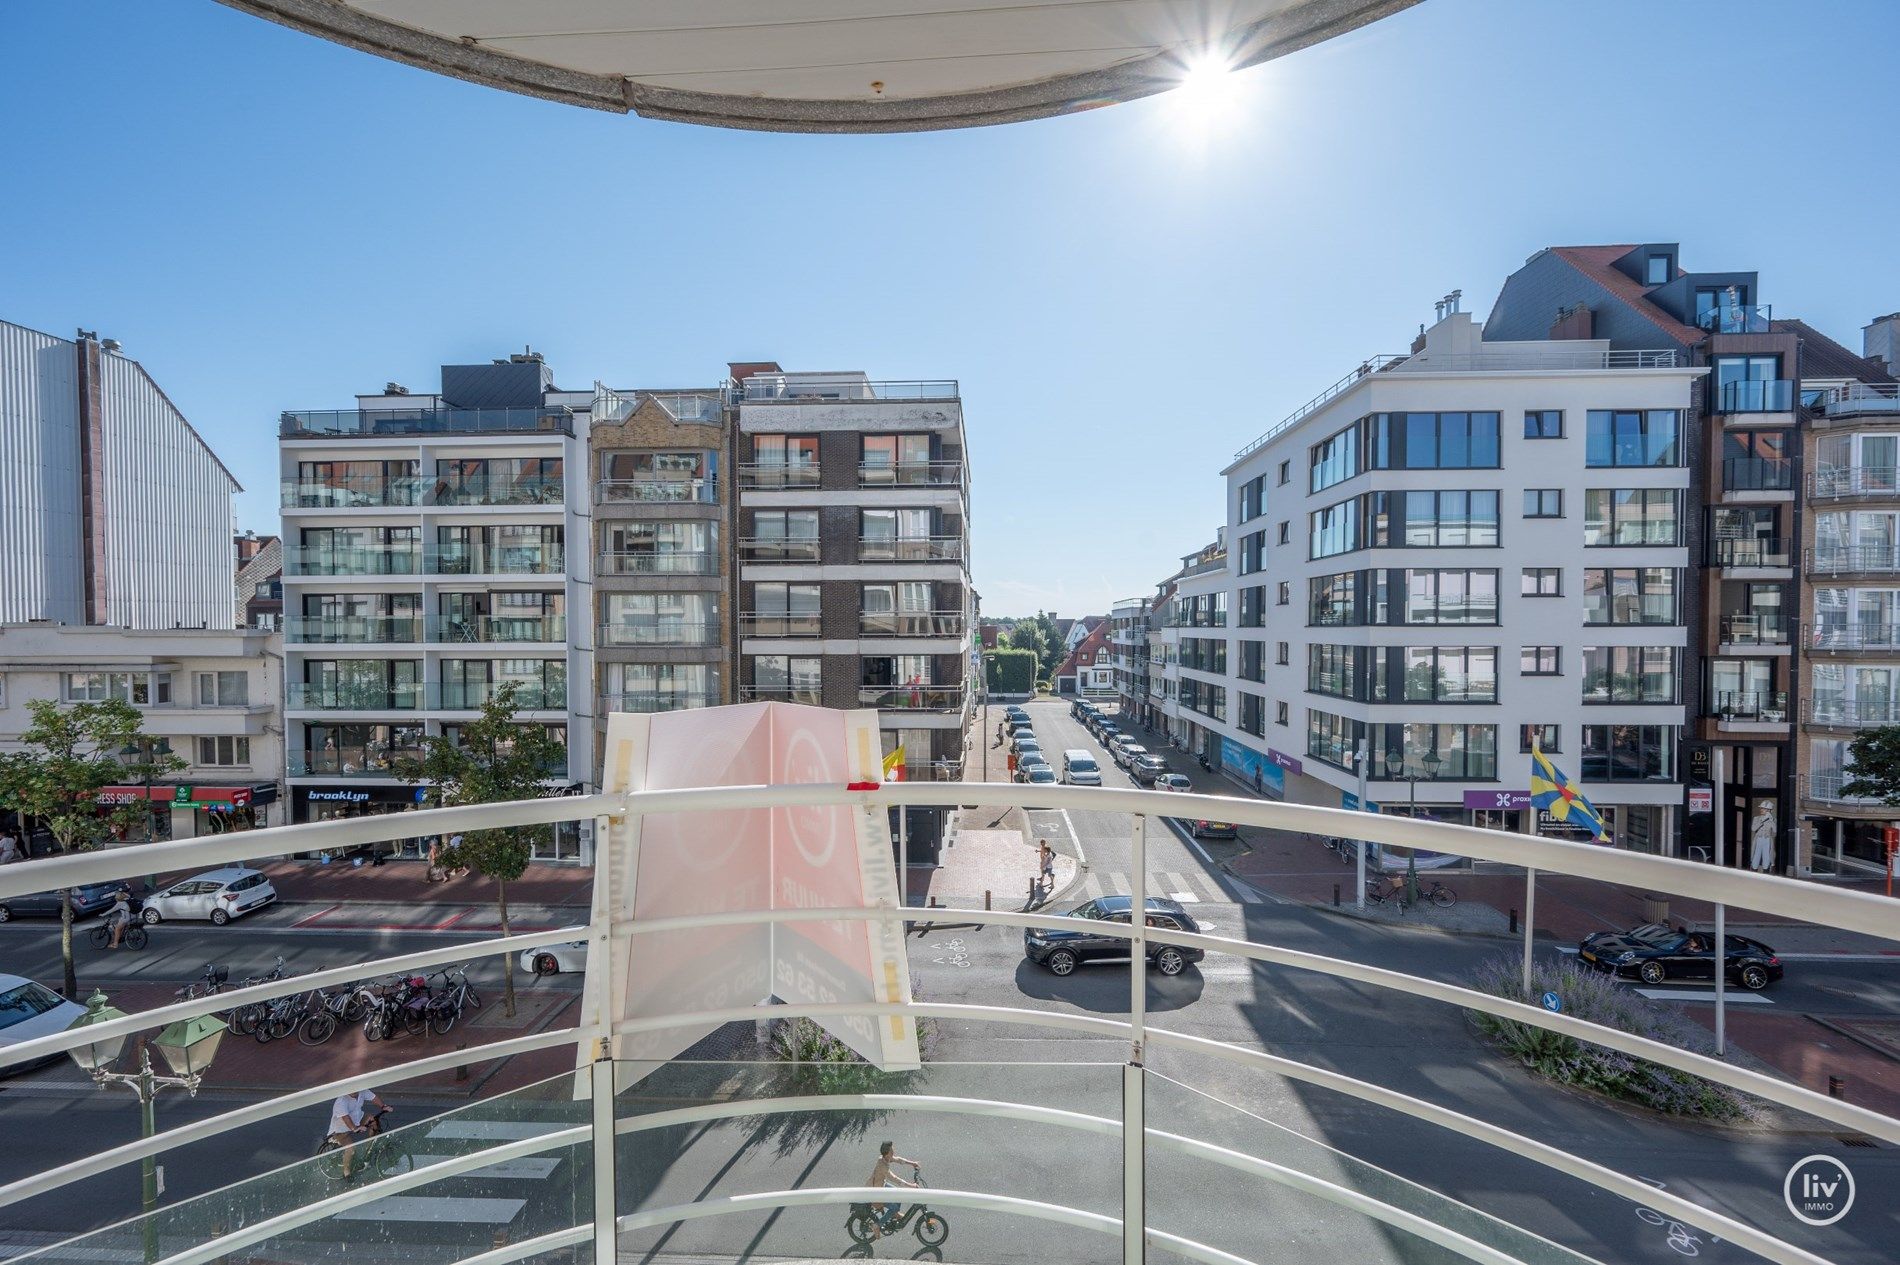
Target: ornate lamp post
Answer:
[[188, 1044], [1431, 761]]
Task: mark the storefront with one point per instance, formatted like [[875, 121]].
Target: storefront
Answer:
[[342, 801], [190, 812]]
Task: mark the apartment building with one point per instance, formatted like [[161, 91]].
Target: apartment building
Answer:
[[1446, 555], [663, 575], [1791, 439], [853, 557], [427, 563]]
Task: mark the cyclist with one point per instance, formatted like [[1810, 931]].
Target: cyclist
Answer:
[[120, 915], [349, 1116], [882, 1215]]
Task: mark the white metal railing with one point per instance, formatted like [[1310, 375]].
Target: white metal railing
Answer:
[[1850, 910], [1863, 397], [1835, 482], [1365, 370]]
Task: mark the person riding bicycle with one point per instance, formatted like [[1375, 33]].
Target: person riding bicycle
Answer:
[[349, 1116], [119, 917], [882, 1215]]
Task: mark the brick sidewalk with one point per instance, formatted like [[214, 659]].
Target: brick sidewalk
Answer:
[[1808, 1049], [406, 882]]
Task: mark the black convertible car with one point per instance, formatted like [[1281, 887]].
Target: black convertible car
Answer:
[[1062, 950], [1655, 952]]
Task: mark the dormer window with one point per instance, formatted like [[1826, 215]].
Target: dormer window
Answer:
[[1660, 269]]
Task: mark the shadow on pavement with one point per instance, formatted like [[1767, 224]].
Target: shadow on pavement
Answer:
[[1103, 987]]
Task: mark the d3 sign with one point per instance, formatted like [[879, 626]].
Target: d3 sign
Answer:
[[1819, 1190]]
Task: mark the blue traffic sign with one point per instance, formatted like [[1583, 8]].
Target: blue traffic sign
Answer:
[[1553, 1003]]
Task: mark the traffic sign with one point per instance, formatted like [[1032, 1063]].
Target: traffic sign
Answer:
[[1553, 1003]]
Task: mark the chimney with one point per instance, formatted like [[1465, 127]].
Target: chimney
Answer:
[[1880, 340], [1574, 322]]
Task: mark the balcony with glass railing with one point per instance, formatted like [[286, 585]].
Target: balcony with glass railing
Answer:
[[781, 624], [1835, 483], [780, 549], [1757, 474], [365, 762], [1843, 711], [1754, 628], [788, 390], [1773, 395], [1854, 559], [1736, 318], [393, 423], [657, 490], [499, 490], [912, 698], [906, 474], [497, 628], [1879, 399], [1842, 636], [479, 559], [353, 492], [650, 701], [910, 624], [352, 629], [910, 549], [811, 694], [1829, 787], [1763, 706], [766, 476], [470, 696], [325, 560], [660, 632], [657, 562], [329, 696]]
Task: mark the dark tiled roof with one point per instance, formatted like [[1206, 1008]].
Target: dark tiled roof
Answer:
[[1822, 357], [1599, 264]]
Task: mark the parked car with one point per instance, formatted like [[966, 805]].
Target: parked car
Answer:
[[1037, 774], [1173, 782], [1081, 707], [1655, 953], [1016, 715], [553, 959], [88, 899], [1080, 769], [1213, 829], [29, 1010], [1062, 950], [217, 895], [1146, 768], [1126, 751], [1107, 732]]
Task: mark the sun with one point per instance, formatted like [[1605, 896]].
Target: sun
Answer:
[[1208, 92]]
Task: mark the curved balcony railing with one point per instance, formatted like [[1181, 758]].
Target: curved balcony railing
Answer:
[[1836, 712], [660, 632], [1834, 483], [683, 562], [657, 489], [1823, 638], [1854, 559], [1128, 1133]]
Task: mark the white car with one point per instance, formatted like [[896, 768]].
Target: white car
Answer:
[[216, 895], [28, 1011], [552, 959], [1126, 753], [1173, 782]]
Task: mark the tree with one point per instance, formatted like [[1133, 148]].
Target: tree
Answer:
[[496, 761], [1873, 760], [1039, 637], [67, 756], [1010, 671]]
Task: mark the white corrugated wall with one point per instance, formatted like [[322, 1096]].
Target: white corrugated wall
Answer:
[[40, 536], [170, 561]]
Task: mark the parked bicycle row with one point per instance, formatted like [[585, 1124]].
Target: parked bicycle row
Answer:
[[409, 1004]]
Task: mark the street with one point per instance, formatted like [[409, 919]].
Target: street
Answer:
[[1413, 1046]]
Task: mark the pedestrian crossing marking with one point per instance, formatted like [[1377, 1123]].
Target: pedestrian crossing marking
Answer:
[[468, 1210], [493, 1130], [1734, 995], [1187, 889], [530, 1167]]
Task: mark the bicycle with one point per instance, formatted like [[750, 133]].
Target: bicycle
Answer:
[[932, 1227], [382, 1155], [244, 1019], [135, 936], [444, 1008], [331, 1010], [208, 984]]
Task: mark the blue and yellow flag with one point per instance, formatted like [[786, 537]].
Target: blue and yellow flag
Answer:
[[1556, 794]]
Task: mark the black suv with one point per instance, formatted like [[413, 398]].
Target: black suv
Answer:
[[1062, 950]]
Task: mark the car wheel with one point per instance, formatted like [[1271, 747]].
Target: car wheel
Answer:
[[1653, 973], [5, 914], [545, 964], [150, 916], [1061, 962], [1170, 961], [219, 917], [1754, 977]]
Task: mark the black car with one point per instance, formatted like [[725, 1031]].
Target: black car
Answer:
[[1655, 952], [88, 899], [1062, 950]]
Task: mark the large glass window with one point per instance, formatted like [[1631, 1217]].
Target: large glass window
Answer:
[[1451, 674], [1253, 551], [784, 610], [342, 749], [1253, 498], [1334, 530], [1632, 516], [1447, 519], [1334, 600], [1630, 674], [1451, 597], [1633, 437], [1629, 753], [1336, 458], [1253, 607], [1756, 461], [659, 619], [1209, 700], [1443, 753], [1630, 595], [1204, 654], [790, 678], [1750, 384], [659, 687], [1334, 739]]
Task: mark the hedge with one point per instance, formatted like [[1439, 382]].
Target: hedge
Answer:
[[1010, 671]]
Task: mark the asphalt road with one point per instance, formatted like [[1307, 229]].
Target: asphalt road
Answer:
[[1414, 1046]]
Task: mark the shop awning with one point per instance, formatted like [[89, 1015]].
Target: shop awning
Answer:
[[250, 794]]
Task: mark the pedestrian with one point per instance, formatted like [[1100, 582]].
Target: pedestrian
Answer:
[[1046, 863], [9, 846], [1256, 779]]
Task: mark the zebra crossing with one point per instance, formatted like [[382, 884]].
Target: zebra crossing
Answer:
[[1172, 884]]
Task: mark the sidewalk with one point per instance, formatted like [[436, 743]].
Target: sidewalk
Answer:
[[406, 883]]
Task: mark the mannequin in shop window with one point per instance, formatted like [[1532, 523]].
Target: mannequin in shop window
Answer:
[[1761, 834]]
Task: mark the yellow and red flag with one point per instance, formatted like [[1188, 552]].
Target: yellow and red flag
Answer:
[[894, 765]]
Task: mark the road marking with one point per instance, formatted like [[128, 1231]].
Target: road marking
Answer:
[[440, 1208], [1173, 886], [1891, 958], [1735, 996], [494, 1130], [530, 1168]]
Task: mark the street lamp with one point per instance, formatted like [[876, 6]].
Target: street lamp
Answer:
[[1431, 761], [189, 1044]]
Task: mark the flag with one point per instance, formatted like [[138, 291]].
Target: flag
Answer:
[[1556, 794], [894, 765]]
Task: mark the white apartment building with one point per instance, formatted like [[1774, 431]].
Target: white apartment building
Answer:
[[211, 697], [1442, 554], [427, 562]]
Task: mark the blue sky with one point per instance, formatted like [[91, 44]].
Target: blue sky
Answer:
[[268, 221]]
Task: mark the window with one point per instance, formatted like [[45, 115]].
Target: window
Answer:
[[1337, 670], [1285, 532], [1286, 473], [1199, 696], [1544, 737], [1253, 550], [900, 609], [1465, 753], [1334, 739], [1204, 654], [224, 751], [1629, 753], [1451, 597], [1449, 519], [1332, 600], [794, 678], [1451, 674], [1543, 582], [1543, 503], [1252, 714], [224, 689], [1632, 516], [1540, 661], [1279, 717], [1632, 437], [1335, 458], [660, 687], [1252, 661], [790, 535], [1630, 595], [1629, 674], [886, 459], [1335, 529], [1285, 593], [1544, 423], [1751, 384], [1281, 653], [1253, 498], [1253, 603], [1757, 461], [785, 453], [1658, 269]]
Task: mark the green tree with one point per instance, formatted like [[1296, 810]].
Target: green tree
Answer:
[[496, 761], [1874, 766], [67, 756], [1010, 671]]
